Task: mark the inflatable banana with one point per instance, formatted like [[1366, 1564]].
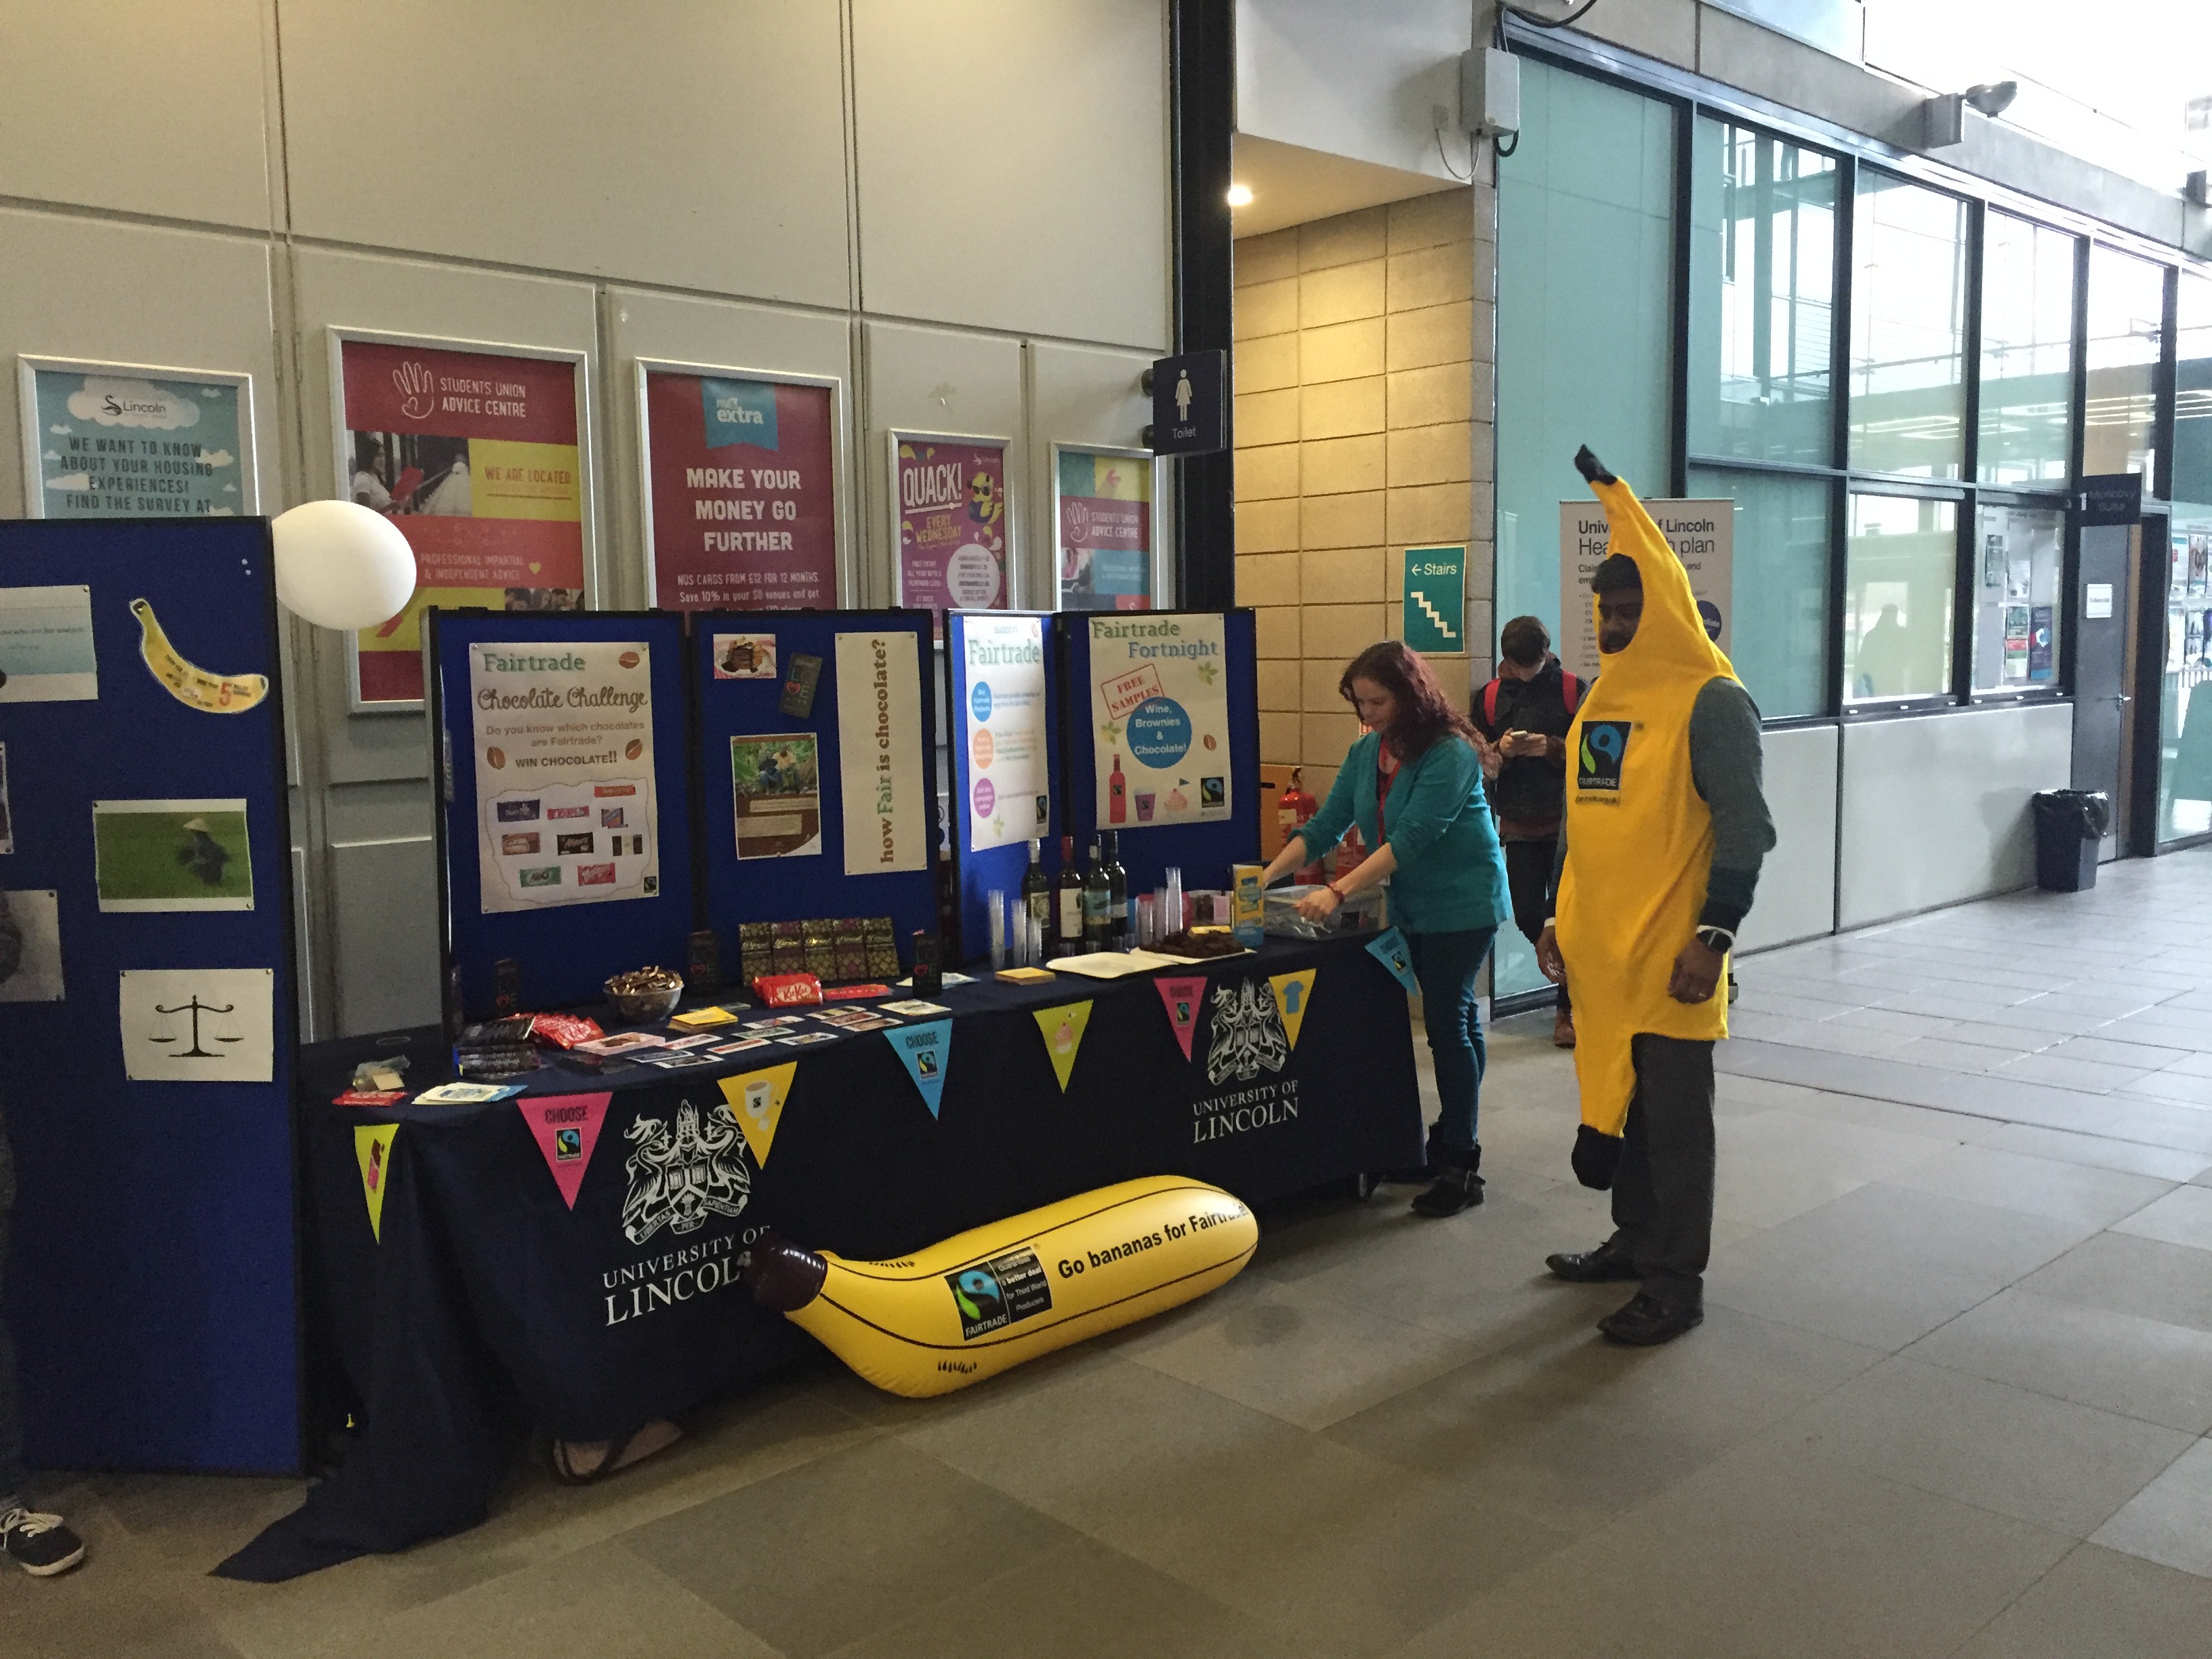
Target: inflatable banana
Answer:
[[984, 1300], [190, 684]]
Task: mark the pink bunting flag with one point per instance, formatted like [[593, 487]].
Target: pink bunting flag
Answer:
[[1184, 997], [566, 1129]]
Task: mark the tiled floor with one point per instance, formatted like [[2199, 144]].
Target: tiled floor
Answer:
[[1951, 1396]]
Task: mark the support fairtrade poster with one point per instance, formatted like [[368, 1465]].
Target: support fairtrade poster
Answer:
[[565, 808], [879, 754], [742, 491], [475, 456], [109, 442], [1159, 712], [950, 502], [1702, 534], [1105, 502], [1009, 793]]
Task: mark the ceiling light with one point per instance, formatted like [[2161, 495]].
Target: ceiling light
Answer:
[[1240, 196]]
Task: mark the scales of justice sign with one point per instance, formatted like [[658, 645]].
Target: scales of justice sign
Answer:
[[212, 1025]]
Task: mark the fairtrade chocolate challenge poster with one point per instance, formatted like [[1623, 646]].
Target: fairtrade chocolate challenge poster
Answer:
[[475, 456], [741, 478], [1010, 799], [1159, 703], [950, 499], [567, 811]]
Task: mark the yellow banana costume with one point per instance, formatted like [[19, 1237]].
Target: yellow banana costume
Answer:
[[1639, 837], [188, 682], [986, 1300]]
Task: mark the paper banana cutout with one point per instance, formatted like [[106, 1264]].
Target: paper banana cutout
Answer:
[[188, 682], [986, 1300]]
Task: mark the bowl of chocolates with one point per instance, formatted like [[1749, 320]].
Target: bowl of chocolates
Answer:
[[646, 994]]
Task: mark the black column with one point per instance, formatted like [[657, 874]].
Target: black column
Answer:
[[1202, 75]]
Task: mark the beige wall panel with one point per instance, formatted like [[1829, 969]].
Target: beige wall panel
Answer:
[[384, 902], [714, 334], [1797, 896], [1079, 395], [78, 287], [153, 106], [1034, 196], [697, 143], [930, 380]]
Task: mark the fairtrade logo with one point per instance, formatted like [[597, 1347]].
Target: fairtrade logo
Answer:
[[418, 388], [567, 1145], [977, 1294], [1604, 747]]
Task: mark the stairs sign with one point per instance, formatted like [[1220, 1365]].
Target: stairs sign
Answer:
[[1435, 600]]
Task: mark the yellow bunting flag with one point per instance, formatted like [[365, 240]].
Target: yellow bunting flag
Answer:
[[1292, 993], [1063, 1034], [371, 1149], [757, 1098]]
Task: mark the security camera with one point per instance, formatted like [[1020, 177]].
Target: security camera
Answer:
[[1993, 97]]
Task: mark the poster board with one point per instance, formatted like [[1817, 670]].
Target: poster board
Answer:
[[1702, 534], [803, 787], [481, 454], [109, 440], [993, 781], [1203, 848], [742, 479], [148, 1045], [569, 935]]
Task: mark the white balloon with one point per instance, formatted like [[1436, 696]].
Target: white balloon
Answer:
[[340, 565]]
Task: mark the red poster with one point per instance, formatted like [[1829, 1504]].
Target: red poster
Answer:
[[952, 524], [474, 456], [743, 493]]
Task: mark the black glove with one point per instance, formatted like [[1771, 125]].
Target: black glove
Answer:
[[1595, 1157]]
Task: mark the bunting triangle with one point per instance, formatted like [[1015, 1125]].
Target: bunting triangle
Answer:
[[1292, 993], [567, 1130], [1390, 950], [1062, 1028], [371, 1149], [1184, 996], [925, 1048], [757, 1098]]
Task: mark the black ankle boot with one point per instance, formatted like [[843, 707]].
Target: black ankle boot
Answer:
[[1457, 1187]]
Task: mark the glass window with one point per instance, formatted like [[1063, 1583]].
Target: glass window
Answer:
[[1908, 387], [2028, 353], [2185, 724], [2019, 554], [1900, 566], [2192, 391], [1762, 292], [1780, 590], [2127, 325]]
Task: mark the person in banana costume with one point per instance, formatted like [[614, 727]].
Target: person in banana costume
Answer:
[[1666, 827]]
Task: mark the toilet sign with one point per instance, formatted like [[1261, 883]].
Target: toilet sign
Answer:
[[1189, 408]]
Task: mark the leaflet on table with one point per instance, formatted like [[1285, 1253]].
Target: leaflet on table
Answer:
[[1009, 793], [1159, 712], [566, 807]]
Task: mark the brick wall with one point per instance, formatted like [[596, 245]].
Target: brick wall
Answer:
[[1363, 385]]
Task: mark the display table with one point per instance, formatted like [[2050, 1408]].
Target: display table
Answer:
[[485, 1287]]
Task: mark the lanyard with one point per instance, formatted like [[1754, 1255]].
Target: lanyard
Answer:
[[1382, 783]]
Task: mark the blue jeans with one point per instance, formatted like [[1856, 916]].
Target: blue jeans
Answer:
[[1446, 965]]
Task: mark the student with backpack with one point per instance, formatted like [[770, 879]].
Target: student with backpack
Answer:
[[1521, 718]]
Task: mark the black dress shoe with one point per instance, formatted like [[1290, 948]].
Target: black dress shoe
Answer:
[[1646, 1321], [1592, 1266]]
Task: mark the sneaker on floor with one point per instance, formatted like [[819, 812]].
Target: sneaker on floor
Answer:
[[1646, 1321], [1562, 1029], [40, 1544]]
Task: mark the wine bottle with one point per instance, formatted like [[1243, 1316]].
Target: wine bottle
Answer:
[[1120, 925], [1117, 795], [1036, 892], [1097, 905], [1067, 937]]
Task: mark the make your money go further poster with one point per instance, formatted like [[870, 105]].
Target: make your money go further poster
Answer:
[[473, 456]]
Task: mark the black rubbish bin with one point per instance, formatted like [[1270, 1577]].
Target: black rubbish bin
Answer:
[[2068, 824]]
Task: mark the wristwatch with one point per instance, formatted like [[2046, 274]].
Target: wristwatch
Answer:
[[1716, 939]]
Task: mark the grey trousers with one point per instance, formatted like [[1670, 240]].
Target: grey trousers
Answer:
[[12, 1480], [1662, 1193]]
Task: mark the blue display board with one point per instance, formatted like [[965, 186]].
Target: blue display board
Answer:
[[978, 872], [566, 952], [738, 698], [1203, 852], [151, 1286]]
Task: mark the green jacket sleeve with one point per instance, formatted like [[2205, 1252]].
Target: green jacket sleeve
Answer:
[[1422, 806], [1326, 827], [1726, 765]]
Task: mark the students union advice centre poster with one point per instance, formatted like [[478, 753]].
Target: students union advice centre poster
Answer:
[[1159, 711], [474, 456]]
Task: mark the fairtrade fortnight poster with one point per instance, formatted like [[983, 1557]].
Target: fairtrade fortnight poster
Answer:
[[1105, 532], [952, 505], [109, 443], [565, 808], [1159, 706], [474, 456], [1702, 534], [743, 493], [1009, 797]]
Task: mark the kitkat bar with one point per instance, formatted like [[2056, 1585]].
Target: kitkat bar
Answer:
[[788, 990]]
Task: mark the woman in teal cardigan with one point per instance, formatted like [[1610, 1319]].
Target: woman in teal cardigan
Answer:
[[1412, 782]]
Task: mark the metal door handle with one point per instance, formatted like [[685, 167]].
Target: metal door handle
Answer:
[[2123, 699]]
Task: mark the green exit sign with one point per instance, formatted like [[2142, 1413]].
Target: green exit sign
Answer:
[[1435, 600]]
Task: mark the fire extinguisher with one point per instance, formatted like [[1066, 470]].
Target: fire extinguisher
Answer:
[[1292, 810]]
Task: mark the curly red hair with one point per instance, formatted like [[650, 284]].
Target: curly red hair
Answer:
[[1425, 712]]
